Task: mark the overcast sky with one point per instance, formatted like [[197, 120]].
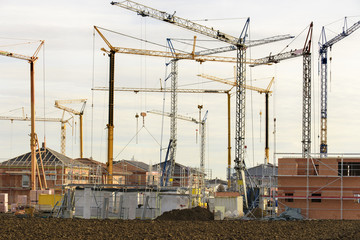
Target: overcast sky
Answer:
[[71, 63]]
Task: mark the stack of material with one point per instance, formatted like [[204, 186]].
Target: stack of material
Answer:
[[4, 204], [34, 195], [22, 200], [14, 207]]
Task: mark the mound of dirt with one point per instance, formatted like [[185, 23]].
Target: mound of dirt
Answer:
[[192, 214]]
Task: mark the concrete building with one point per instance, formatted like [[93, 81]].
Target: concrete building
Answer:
[[323, 188]]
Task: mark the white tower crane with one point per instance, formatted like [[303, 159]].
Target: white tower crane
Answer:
[[240, 46]]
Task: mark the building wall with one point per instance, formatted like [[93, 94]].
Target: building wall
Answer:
[[330, 195], [11, 180], [138, 176]]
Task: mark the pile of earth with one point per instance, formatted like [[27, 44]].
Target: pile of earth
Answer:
[[191, 214]]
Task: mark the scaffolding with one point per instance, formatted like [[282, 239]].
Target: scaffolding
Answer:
[[323, 188]]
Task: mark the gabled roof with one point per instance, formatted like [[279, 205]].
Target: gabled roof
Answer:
[[93, 163], [49, 158], [217, 181], [263, 170], [178, 168], [141, 165]]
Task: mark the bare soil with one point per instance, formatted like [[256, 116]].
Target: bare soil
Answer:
[[193, 214], [12, 227]]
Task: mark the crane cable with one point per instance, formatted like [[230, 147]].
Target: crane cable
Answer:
[[136, 134], [294, 39], [92, 96], [139, 39], [252, 108]]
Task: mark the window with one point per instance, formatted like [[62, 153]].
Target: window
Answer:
[[357, 198], [314, 170], [50, 175], [349, 169], [289, 199], [25, 181], [316, 197]]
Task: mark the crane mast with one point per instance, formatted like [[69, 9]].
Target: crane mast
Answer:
[[324, 45], [306, 128], [306, 111], [174, 73], [136, 90], [58, 104], [40, 119], [202, 141], [32, 61], [253, 88], [240, 62], [239, 43], [173, 122]]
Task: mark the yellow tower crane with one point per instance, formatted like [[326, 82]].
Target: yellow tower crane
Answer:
[[154, 53], [59, 104], [32, 61], [173, 55], [253, 88]]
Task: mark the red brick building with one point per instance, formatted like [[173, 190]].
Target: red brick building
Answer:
[[59, 170], [325, 188], [137, 169]]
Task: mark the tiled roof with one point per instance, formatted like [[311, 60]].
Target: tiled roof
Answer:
[[92, 163], [137, 164], [49, 158]]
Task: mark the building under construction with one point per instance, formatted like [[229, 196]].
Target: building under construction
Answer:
[[323, 188]]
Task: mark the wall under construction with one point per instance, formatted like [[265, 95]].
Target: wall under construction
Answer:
[[323, 188]]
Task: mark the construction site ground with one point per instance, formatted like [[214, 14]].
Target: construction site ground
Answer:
[[15, 227]]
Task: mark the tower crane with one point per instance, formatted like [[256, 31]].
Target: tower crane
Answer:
[[202, 137], [324, 45], [173, 76], [306, 53], [253, 88], [59, 104], [32, 61], [162, 90], [240, 45], [40, 119]]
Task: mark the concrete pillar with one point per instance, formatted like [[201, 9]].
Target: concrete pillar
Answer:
[[105, 210], [121, 206], [87, 203]]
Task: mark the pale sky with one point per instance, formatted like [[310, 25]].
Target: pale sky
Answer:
[[71, 63]]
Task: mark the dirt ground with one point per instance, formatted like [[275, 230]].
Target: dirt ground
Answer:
[[12, 227]]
